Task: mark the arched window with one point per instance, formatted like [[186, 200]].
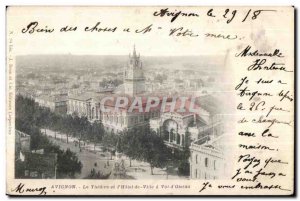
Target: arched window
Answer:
[[196, 158], [178, 139], [175, 135], [171, 135], [215, 166]]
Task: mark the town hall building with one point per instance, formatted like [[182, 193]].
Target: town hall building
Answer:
[[89, 104]]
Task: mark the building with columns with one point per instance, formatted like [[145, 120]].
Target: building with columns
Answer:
[[179, 129]]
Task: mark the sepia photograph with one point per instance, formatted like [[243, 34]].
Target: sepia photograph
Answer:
[[150, 101], [120, 117]]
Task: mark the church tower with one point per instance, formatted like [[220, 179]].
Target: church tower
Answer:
[[134, 80]]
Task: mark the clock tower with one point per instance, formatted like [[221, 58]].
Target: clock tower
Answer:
[[134, 80]]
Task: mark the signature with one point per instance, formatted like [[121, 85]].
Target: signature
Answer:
[[22, 189]]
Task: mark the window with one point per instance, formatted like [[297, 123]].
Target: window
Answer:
[[206, 162], [196, 158], [196, 174], [215, 167]]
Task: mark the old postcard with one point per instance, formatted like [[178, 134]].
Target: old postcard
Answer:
[[150, 100]]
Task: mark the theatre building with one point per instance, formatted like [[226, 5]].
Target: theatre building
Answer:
[[179, 129]]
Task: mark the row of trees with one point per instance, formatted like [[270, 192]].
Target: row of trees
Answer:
[[144, 144], [140, 143], [29, 120], [70, 125]]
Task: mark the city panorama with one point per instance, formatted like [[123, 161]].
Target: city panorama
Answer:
[[120, 117]]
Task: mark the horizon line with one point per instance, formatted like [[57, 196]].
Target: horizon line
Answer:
[[70, 54]]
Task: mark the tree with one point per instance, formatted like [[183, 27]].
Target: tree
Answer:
[[132, 144], [68, 164], [42, 117], [109, 142], [96, 133], [183, 161], [82, 127], [55, 122], [154, 151], [69, 126], [143, 144], [29, 119]]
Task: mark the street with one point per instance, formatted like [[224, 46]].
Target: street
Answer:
[[101, 161]]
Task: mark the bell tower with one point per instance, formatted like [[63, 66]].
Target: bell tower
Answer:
[[134, 80]]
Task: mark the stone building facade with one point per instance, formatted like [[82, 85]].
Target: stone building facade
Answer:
[[91, 106], [134, 79], [207, 160]]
